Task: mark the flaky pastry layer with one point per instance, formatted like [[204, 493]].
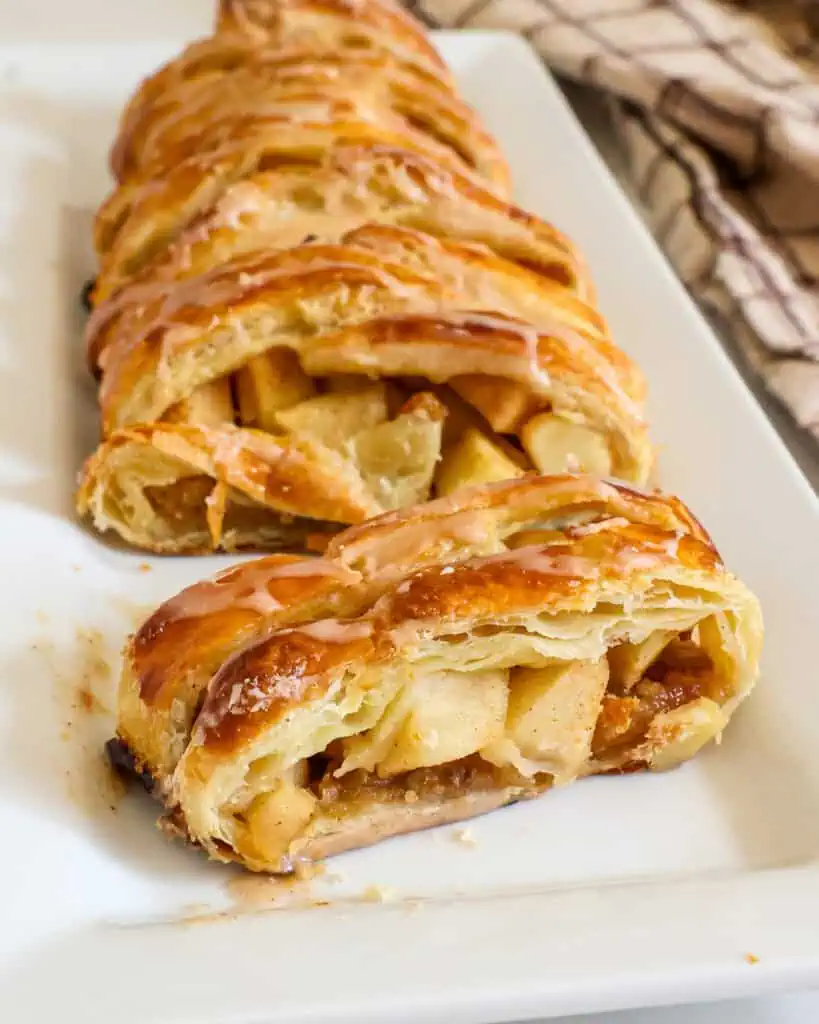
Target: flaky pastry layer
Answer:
[[182, 488], [277, 203]]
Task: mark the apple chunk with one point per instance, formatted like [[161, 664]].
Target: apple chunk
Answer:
[[556, 445], [269, 383], [628, 662], [474, 459], [453, 714], [335, 419], [397, 459], [553, 710], [210, 405], [274, 819]]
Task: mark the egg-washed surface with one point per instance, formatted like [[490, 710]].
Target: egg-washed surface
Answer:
[[315, 302], [434, 664]]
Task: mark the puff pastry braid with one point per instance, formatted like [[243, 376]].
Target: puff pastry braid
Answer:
[[315, 303], [436, 663]]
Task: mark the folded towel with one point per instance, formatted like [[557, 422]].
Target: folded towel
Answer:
[[718, 103]]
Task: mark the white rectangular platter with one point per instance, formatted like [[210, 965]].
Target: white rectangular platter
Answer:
[[611, 893]]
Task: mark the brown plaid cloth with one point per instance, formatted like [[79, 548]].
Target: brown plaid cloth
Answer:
[[718, 102]]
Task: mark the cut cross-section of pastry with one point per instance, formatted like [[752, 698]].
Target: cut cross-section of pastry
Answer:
[[436, 663], [173, 487], [387, 304], [213, 323]]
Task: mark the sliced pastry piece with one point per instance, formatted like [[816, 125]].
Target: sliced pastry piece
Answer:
[[435, 664]]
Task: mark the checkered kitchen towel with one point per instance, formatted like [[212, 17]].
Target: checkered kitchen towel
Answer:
[[718, 101]]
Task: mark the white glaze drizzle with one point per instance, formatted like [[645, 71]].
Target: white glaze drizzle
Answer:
[[237, 588], [336, 631], [247, 587], [541, 560], [612, 523]]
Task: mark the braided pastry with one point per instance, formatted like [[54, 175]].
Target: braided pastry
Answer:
[[436, 663], [176, 229], [315, 304], [201, 111]]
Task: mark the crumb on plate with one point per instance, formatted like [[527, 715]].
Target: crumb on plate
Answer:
[[379, 894], [305, 870], [465, 837]]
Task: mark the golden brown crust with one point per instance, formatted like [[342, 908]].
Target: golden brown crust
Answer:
[[533, 572], [215, 82], [184, 631], [198, 120], [214, 58], [367, 90], [307, 210], [179, 648], [245, 31], [370, 306], [140, 217], [326, 196], [440, 529], [341, 22]]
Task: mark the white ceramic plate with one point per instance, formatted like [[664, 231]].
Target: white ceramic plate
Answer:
[[611, 893]]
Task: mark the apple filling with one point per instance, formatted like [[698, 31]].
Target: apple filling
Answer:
[[392, 443], [445, 735]]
